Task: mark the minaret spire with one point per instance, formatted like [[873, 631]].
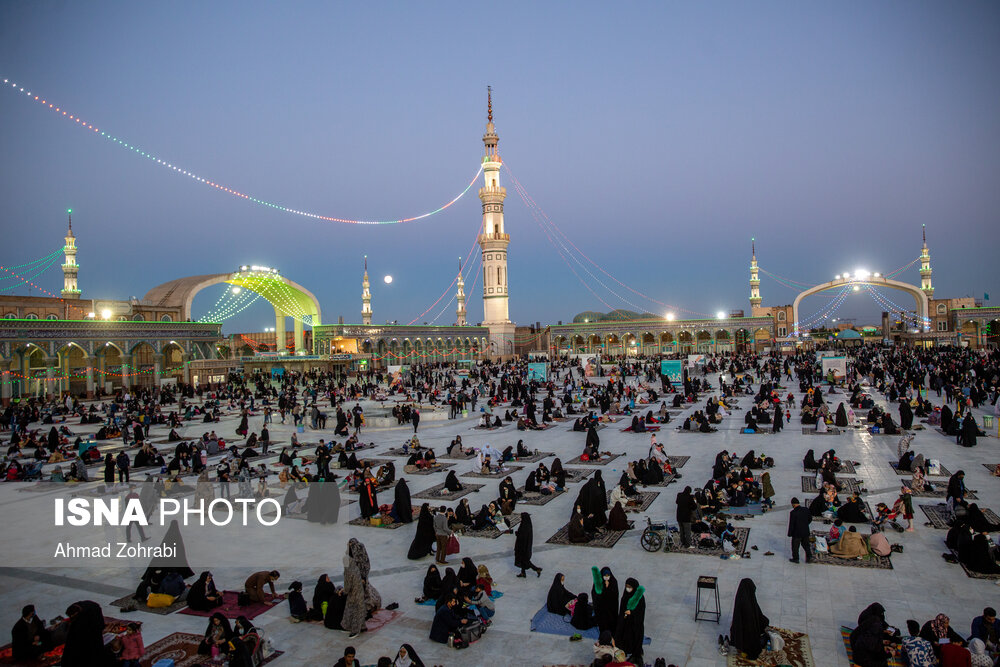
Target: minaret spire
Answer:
[[70, 268], [925, 268], [366, 297], [755, 298], [489, 104], [460, 297]]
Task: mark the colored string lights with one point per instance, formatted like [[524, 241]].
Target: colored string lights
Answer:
[[468, 258], [166, 164]]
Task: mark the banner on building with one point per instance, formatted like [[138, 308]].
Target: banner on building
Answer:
[[672, 370], [836, 364], [538, 370]]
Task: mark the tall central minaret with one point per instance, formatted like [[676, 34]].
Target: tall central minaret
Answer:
[[755, 298], [460, 311], [70, 268], [925, 269], [494, 241], [366, 297]]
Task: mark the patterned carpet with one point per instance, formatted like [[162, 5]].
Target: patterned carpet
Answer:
[[182, 649], [940, 491], [435, 492], [536, 457], [231, 610], [491, 533], [873, 562], [797, 653], [992, 467], [646, 499], [596, 428], [471, 455], [831, 430], [440, 467], [604, 461], [845, 635], [937, 515], [605, 539], [500, 474], [537, 499], [942, 471], [678, 461], [848, 485], [742, 541], [578, 474], [846, 468]]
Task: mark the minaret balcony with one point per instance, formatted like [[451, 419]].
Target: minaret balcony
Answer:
[[494, 237]]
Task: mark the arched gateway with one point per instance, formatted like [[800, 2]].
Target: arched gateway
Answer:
[[875, 280]]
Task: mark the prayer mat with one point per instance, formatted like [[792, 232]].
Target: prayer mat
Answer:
[[940, 491], [548, 623], [380, 619], [578, 474], [605, 539], [492, 428], [845, 635], [440, 467], [938, 515], [972, 574], [650, 428], [499, 474], [901, 432], [694, 430], [597, 427], [54, 656], [471, 455], [646, 499], [437, 492], [678, 461], [759, 431], [491, 532], [667, 480], [537, 499], [398, 451], [953, 437], [796, 653], [742, 541], [534, 458], [846, 468], [181, 648], [848, 485], [871, 561], [831, 430], [231, 610], [604, 460], [366, 523], [748, 511], [128, 600], [992, 467], [942, 471]]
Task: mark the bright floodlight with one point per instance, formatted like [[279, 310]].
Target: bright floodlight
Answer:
[[387, 279], [861, 274], [91, 315], [856, 288], [720, 315], [106, 314], [877, 274], [837, 277], [235, 290], [670, 317]]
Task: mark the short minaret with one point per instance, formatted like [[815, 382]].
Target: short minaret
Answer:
[[70, 268], [460, 311], [366, 297], [925, 268], [494, 241], [755, 299]]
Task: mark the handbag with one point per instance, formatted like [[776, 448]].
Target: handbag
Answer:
[[453, 546], [471, 632]]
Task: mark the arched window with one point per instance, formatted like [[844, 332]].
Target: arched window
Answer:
[[166, 318], [781, 316], [52, 317], [942, 309], [31, 316], [138, 318], [10, 316], [122, 318]]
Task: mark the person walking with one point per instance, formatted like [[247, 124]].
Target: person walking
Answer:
[[798, 529]]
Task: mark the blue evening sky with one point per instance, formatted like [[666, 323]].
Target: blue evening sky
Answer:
[[659, 137]]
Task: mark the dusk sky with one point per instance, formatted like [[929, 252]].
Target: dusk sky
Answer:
[[659, 137]]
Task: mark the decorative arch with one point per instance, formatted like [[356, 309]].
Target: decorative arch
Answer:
[[919, 296]]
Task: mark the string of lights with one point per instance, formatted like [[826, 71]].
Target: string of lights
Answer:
[[826, 312], [473, 267], [34, 272], [218, 186], [528, 197], [902, 268], [468, 258]]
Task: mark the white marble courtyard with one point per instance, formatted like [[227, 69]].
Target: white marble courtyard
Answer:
[[816, 599]]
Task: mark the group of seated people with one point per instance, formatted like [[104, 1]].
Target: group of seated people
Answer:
[[460, 599], [698, 421], [970, 541], [874, 642]]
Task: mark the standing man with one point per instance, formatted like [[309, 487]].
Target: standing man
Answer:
[[122, 462], [798, 529], [441, 534], [685, 512]]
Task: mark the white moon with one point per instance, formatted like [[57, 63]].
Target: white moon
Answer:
[[387, 279]]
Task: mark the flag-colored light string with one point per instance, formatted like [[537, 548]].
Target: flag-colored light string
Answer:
[[472, 267], [37, 271], [33, 264], [42, 289], [218, 186], [585, 256], [829, 309], [468, 258]]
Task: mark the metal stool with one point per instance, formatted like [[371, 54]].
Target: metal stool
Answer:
[[709, 584]]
